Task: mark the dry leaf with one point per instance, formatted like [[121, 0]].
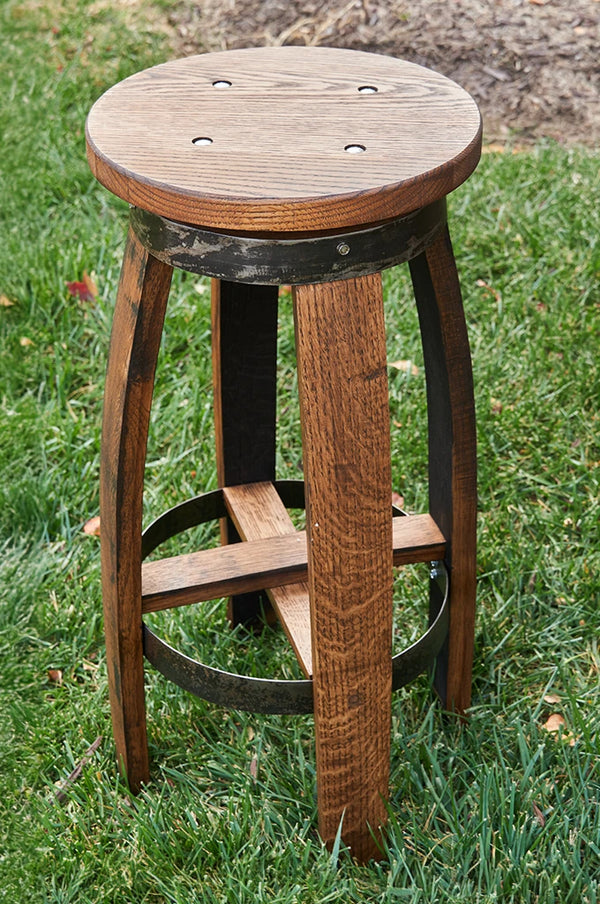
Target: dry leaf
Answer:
[[85, 290], [55, 676], [92, 527], [25, 341], [541, 819], [555, 723], [483, 285], [254, 767], [5, 302], [406, 367], [551, 698], [497, 405]]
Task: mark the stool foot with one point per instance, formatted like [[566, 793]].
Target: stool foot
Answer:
[[452, 454], [135, 341], [244, 343], [345, 424]]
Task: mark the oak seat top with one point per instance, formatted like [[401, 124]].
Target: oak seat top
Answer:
[[283, 139]]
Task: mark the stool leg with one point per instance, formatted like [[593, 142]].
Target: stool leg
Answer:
[[244, 342], [342, 374], [452, 454], [137, 328]]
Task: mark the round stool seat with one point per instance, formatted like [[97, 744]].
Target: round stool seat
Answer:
[[284, 139]]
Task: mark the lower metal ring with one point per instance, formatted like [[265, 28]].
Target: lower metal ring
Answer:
[[267, 695]]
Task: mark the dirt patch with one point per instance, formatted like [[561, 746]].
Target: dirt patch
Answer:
[[532, 65]]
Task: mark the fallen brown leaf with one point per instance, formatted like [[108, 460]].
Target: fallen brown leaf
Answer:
[[551, 698], [540, 818], [92, 527], [25, 341], [406, 367], [5, 302], [55, 676], [556, 724], [483, 285]]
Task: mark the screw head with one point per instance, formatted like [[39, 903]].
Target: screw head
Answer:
[[343, 248]]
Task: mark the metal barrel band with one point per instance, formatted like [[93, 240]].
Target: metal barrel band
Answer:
[[207, 507], [293, 260], [267, 695]]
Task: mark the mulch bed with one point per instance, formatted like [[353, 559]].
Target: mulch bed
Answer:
[[532, 65]]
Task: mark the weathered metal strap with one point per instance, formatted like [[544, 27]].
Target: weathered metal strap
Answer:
[[270, 696], [257, 695], [207, 507], [263, 695], [312, 258]]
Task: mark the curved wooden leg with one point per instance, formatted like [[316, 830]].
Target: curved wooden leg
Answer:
[[342, 373], [452, 454], [244, 343], [137, 328]]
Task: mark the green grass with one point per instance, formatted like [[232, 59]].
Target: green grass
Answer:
[[498, 810]]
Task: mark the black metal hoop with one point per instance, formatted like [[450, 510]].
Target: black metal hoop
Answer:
[[312, 258], [266, 695]]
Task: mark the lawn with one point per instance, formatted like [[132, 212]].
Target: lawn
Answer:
[[504, 808]]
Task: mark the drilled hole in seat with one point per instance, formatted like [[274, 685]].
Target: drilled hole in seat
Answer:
[[222, 83], [355, 148], [368, 89], [202, 141]]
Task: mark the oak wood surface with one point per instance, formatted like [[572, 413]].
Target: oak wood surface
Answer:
[[258, 512], [264, 563], [277, 160], [135, 341], [452, 454], [342, 375]]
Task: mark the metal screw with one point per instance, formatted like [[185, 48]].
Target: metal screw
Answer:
[[436, 570], [343, 248]]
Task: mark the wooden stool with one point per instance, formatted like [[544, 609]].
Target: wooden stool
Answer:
[[318, 168]]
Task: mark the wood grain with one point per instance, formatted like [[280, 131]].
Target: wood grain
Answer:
[[340, 341], [277, 161], [135, 341], [262, 564], [258, 512], [452, 454]]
